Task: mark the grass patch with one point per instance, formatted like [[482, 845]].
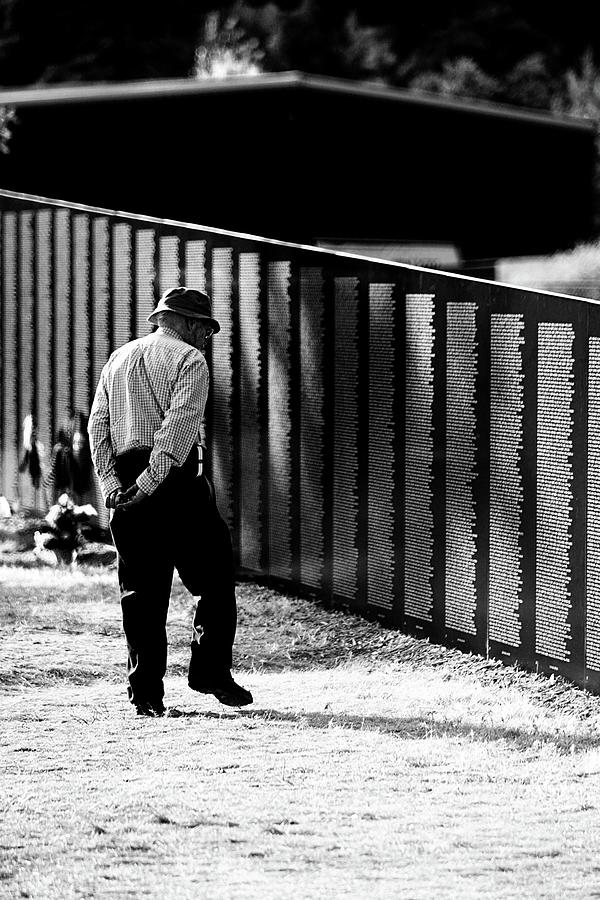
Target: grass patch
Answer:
[[371, 762]]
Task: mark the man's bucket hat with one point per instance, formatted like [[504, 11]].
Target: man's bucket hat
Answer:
[[187, 302]]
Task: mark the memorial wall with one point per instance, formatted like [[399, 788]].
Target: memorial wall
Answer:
[[412, 445]]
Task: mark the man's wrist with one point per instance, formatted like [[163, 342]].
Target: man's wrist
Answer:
[[109, 485], [146, 482]]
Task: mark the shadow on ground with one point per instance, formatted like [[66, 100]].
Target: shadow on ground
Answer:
[[409, 727]]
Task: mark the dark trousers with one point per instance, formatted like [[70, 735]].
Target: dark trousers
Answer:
[[176, 527]]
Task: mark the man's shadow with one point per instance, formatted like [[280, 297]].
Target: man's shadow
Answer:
[[406, 728]]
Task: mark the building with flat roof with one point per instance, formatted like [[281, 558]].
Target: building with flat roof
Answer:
[[314, 160]]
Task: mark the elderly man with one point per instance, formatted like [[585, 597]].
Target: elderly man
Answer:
[[145, 431]]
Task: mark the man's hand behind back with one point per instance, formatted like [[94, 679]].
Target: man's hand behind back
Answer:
[[131, 497], [113, 499]]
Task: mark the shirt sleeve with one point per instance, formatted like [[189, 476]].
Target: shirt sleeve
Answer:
[[100, 441], [181, 425]]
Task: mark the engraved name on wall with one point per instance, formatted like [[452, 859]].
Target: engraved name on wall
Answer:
[[82, 388], [121, 283], [345, 478], [251, 382], [592, 643], [168, 261], [280, 427], [312, 423], [10, 374], [43, 322], [26, 348], [380, 545], [100, 296], [145, 249], [222, 382], [195, 265], [62, 317], [418, 488], [506, 480], [554, 488], [461, 549]]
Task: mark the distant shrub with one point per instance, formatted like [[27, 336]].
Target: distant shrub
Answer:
[[575, 271], [8, 119]]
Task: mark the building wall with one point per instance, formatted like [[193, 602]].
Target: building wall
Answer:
[[301, 164]]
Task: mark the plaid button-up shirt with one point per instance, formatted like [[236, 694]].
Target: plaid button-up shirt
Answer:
[[152, 393]]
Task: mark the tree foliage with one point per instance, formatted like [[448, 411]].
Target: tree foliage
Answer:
[[490, 50], [529, 83], [226, 49], [396, 43], [8, 119], [506, 51], [43, 41]]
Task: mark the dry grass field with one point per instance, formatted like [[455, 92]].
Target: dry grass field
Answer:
[[371, 764]]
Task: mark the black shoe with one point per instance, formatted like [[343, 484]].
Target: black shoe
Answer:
[[153, 710], [225, 689]]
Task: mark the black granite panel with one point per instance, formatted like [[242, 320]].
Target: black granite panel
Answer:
[[382, 471], [145, 279], [554, 520], [506, 478], [168, 262], [26, 348], [418, 472], [62, 316], [345, 478], [592, 641], [122, 288], [221, 436], [100, 296], [10, 359], [81, 330], [461, 448], [44, 316], [279, 428], [195, 265], [561, 486], [252, 381], [312, 424]]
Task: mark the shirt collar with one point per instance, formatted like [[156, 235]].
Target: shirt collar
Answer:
[[170, 332]]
